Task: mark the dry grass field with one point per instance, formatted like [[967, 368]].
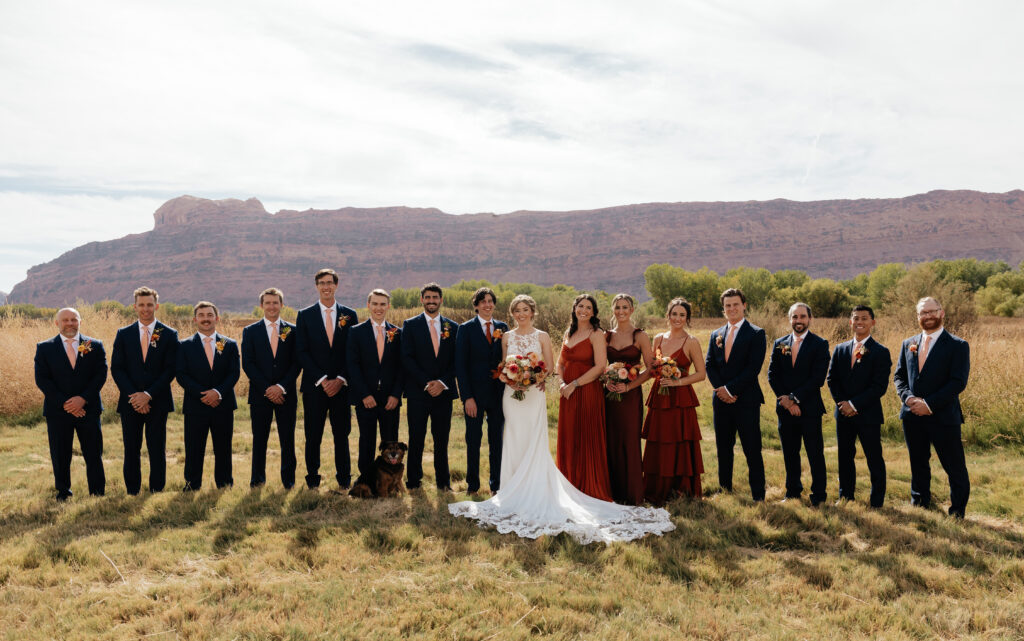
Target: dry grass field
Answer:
[[276, 564]]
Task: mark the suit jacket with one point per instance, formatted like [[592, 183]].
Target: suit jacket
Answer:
[[153, 376], [940, 382], [863, 384], [475, 359], [420, 363], [802, 379], [264, 368], [316, 355], [195, 375], [59, 382], [740, 374], [370, 375]]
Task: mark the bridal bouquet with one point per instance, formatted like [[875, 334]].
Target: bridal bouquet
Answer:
[[665, 367], [618, 372], [520, 372]]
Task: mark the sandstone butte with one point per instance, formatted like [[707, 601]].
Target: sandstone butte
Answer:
[[228, 250]]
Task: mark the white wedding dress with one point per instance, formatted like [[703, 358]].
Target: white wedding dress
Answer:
[[534, 497]]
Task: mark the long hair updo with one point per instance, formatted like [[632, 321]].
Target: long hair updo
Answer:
[[679, 301], [522, 298]]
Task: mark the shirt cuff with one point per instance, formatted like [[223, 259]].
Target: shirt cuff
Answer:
[[850, 403], [219, 395], [342, 379], [731, 395], [320, 380], [283, 390], [926, 405], [148, 394]]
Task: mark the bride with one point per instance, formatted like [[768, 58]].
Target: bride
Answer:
[[535, 498]]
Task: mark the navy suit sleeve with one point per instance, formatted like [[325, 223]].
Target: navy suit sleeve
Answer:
[[412, 368], [830, 377], [774, 376], [811, 388], [249, 362], [711, 364], [343, 337], [99, 377], [448, 376], [227, 384], [959, 369], [163, 381], [44, 376], [304, 328], [119, 367], [462, 366], [900, 379], [881, 365], [755, 359], [399, 385], [356, 379], [288, 380], [190, 384]]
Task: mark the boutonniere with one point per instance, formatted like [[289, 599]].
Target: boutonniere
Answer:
[[155, 336], [446, 330], [219, 345], [784, 348], [392, 333], [84, 348], [497, 334], [860, 352], [343, 320], [913, 348], [285, 331], [718, 340]]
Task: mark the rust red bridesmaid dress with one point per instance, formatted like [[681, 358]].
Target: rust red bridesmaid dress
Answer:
[[623, 421], [672, 458], [581, 453]]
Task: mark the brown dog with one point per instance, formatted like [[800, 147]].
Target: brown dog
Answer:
[[386, 477]]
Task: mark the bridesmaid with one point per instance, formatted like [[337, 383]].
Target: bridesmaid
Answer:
[[581, 453], [672, 459], [627, 344]]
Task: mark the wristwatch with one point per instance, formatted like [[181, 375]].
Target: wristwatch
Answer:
[[793, 398]]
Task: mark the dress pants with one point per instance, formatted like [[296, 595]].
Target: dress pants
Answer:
[[60, 432], [474, 437], [806, 429], [263, 413], [731, 419], [219, 424], [152, 427], [316, 408], [922, 433], [368, 421], [870, 435], [439, 412]]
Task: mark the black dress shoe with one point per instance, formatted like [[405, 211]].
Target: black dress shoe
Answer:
[[412, 486], [289, 486], [63, 497], [472, 490], [188, 488], [445, 488], [956, 514]]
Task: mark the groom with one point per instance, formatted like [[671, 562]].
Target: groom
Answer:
[[477, 354]]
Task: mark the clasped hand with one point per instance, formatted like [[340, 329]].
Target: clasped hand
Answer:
[[918, 407], [75, 406], [210, 397], [139, 402]]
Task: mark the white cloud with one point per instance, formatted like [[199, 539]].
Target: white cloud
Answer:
[[505, 106]]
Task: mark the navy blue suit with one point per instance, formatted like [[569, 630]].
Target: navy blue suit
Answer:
[[421, 367], [152, 376], [946, 368], [320, 358], [475, 359], [264, 370], [739, 376], [862, 384], [196, 376], [379, 378], [59, 382], [803, 380]]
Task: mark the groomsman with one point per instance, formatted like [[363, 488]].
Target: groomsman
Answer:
[[207, 369], [70, 370], [268, 358], [932, 371], [428, 356], [796, 372], [477, 354], [142, 365], [321, 332], [733, 362], [374, 354], [857, 379]]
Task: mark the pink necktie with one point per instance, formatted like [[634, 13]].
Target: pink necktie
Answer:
[[145, 343], [923, 353], [329, 326], [435, 338], [490, 338], [72, 354], [380, 342], [796, 348], [209, 349], [729, 340], [273, 339]]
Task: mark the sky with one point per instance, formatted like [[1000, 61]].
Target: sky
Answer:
[[109, 109]]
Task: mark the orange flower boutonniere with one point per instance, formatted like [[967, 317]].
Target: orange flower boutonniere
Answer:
[[285, 332], [343, 320], [219, 345], [391, 333], [446, 331], [784, 348], [913, 348], [718, 340], [84, 348], [155, 337], [859, 353], [497, 334]]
